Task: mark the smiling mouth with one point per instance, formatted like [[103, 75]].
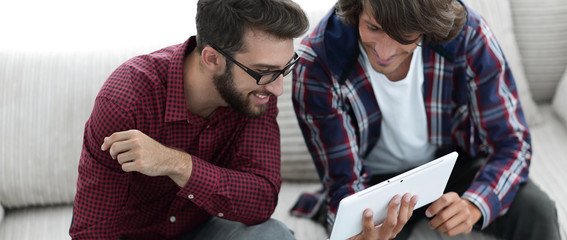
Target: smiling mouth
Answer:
[[262, 97], [383, 62]]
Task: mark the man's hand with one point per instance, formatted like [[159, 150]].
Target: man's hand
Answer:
[[137, 152], [394, 222], [453, 215]]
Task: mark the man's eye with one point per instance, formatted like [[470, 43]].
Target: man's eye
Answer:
[[373, 28]]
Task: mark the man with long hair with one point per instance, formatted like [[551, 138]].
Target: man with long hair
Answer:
[[384, 86]]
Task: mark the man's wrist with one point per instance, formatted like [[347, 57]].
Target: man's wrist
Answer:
[[475, 212], [182, 169]]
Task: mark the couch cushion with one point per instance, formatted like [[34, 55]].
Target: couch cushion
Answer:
[[45, 223], [45, 101], [548, 164], [541, 30], [296, 160], [560, 99], [53, 60], [499, 17]]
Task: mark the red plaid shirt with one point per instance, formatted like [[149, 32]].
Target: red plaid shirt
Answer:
[[236, 160]]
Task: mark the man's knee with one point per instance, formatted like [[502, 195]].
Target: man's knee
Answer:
[[271, 229], [218, 229], [531, 211], [532, 215], [535, 203]]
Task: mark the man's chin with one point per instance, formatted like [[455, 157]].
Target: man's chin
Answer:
[[256, 112]]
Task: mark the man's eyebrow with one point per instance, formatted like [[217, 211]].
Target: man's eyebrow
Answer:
[[269, 66], [263, 66], [370, 23]]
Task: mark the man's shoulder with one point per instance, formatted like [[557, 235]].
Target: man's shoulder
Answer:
[[331, 33], [455, 47], [154, 64], [473, 18], [332, 43], [140, 76]]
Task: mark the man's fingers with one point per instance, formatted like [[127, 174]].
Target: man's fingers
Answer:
[[126, 157], [406, 209], [106, 143], [462, 228], [439, 204], [116, 137], [414, 201], [367, 222], [455, 219], [392, 217], [124, 146], [449, 216], [129, 166], [399, 211], [367, 226], [451, 223], [405, 212]]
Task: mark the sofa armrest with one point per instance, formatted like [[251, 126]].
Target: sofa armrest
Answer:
[[499, 17], [560, 99], [1, 213]]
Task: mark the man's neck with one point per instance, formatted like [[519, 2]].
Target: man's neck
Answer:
[[201, 96]]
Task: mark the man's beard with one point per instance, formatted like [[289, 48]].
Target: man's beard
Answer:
[[226, 86]]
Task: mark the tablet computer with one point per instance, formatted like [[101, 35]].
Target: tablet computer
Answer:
[[428, 181]]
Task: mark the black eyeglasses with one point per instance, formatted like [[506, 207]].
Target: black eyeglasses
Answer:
[[262, 78]]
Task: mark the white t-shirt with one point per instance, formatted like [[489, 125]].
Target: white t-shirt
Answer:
[[403, 142]]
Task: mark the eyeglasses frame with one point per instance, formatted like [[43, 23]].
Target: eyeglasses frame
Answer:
[[257, 75]]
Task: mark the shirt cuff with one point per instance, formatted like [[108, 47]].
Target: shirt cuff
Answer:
[[202, 184], [483, 196]]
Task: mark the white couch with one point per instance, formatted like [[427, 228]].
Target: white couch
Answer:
[[55, 55]]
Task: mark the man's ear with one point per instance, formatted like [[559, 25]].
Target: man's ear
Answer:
[[211, 58]]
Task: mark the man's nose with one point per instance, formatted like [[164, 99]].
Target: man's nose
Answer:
[[276, 87], [386, 48]]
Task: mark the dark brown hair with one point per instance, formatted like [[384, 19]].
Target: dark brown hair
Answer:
[[224, 22], [438, 21]]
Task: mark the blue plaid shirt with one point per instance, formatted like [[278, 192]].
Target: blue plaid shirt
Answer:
[[471, 103]]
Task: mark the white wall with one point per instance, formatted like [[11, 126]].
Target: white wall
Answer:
[[72, 25]]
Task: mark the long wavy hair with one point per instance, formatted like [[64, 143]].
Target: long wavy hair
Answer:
[[439, 21]]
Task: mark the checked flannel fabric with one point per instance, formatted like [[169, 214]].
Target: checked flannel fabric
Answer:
[[471, 104], [236, 159]]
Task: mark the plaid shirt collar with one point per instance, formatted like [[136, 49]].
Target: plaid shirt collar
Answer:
[[175, 94]]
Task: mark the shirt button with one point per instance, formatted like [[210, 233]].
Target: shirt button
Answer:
[[208, 126], [172, 219], [191, 196], [220, 215]]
